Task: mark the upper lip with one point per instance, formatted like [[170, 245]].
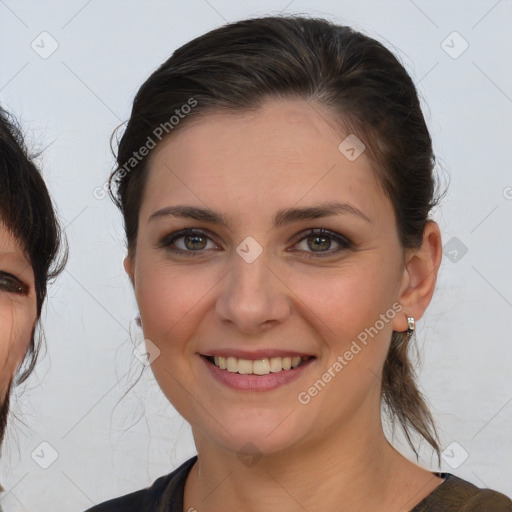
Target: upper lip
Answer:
[[254, 354]]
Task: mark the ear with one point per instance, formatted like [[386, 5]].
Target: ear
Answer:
[[128, 264], [419, 277]]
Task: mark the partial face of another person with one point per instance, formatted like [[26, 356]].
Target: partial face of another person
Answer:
[[18, 312], [270, 282]]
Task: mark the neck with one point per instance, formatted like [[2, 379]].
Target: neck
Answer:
[[355, 469]]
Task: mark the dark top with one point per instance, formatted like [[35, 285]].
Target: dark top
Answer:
[[453, 495]]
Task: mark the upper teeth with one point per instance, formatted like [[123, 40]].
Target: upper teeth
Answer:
[[257, 366]]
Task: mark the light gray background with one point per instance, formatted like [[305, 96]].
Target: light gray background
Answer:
[[70, 102]]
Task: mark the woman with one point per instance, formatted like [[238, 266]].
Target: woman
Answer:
[[29, 245], [276, 179]]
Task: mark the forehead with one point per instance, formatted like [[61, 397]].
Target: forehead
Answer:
[[10, 247], [284, 153]]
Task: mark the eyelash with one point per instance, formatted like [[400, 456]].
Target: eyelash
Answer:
[[345, 244], [12, 284]]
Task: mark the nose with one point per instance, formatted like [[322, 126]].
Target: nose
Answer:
[[253, 297]]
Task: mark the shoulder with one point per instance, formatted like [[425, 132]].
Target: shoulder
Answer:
[[165, 494], [458, 495]]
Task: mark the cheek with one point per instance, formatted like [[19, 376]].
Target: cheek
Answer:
[[171, 311], [347, 300], [344, 310], [16, 325], [166, 296]]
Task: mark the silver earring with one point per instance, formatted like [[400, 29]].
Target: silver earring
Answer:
[[411, 325]]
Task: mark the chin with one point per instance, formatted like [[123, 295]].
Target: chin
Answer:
[[261, 432]]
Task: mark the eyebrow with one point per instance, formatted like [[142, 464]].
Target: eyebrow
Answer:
[[281, 218]]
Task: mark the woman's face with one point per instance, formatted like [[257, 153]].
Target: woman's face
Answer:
[[267, 284], [18, 307]]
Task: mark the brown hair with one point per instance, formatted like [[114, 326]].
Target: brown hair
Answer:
[[238, 66]]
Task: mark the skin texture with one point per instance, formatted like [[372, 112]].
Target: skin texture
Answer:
[[18, 311], [246, 167]]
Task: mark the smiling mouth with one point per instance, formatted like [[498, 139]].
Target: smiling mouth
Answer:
[[262, 366]]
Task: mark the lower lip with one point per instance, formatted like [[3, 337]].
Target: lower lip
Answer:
[[256, 382]]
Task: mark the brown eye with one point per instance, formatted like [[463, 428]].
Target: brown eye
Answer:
[[195, 242], [188, 242], [11, 284], [319, 243]]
